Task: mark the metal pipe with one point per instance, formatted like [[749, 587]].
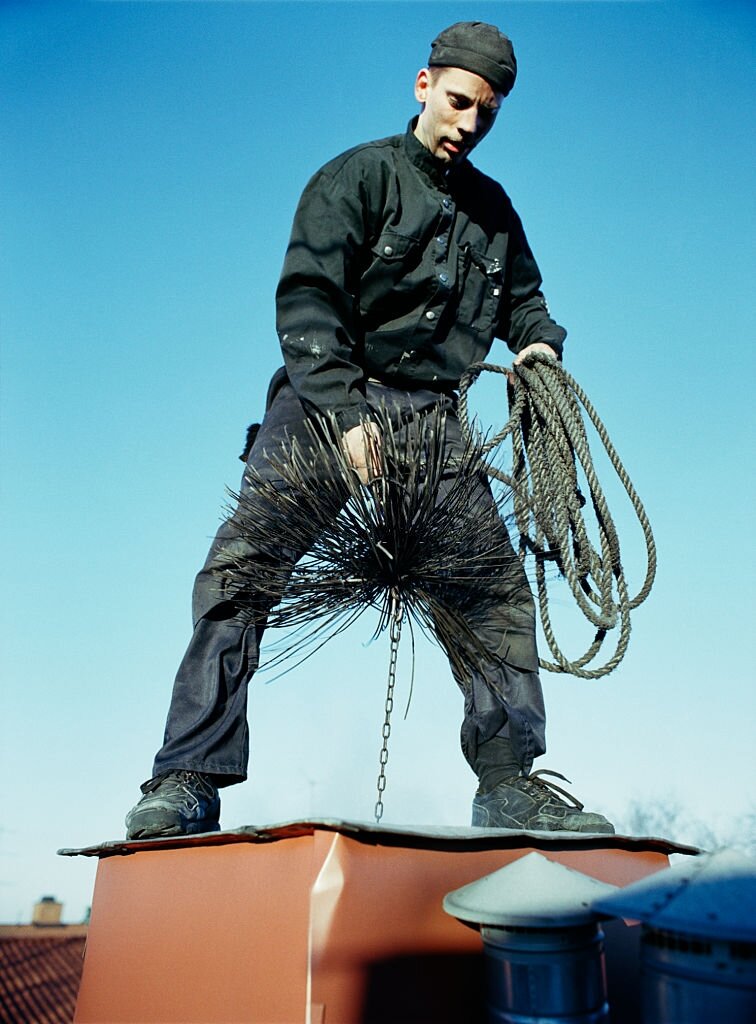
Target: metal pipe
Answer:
[[543, 946], [698, 943], [688, 979], [545, 974]]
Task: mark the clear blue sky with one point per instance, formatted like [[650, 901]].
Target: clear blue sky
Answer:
[[152, 156]]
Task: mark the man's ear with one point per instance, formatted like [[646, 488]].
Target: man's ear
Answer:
[[422, 84]]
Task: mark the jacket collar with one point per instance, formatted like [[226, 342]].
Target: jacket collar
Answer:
[[434, 171]]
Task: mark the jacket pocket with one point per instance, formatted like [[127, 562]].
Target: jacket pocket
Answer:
[[389, 283], [392, 247], [479, 284]]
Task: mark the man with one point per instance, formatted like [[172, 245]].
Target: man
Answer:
[[404, 263]]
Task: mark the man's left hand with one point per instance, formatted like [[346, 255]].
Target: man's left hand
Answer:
[[537, 346]]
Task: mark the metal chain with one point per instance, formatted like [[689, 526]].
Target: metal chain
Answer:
[[395, 633]]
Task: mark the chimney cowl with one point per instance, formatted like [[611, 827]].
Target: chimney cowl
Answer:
[[712, 895], [532, 892]]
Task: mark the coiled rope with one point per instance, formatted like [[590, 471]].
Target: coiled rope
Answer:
[[549, 447]]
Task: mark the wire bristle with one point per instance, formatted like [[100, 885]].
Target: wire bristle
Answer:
[[415, 533]]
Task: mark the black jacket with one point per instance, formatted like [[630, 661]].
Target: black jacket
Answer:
[[403, 273]]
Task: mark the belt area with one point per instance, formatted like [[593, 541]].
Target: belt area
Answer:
[[416, 385]]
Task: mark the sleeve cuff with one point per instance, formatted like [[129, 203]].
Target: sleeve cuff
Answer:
[[351, 417]]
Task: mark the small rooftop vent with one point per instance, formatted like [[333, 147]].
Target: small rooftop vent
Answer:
[[544, 949], [698, 945]]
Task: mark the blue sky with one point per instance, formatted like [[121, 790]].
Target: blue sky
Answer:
[[152, 157]]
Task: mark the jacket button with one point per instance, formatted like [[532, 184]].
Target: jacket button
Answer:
[[430, 315], [447, 204], [387, 250]]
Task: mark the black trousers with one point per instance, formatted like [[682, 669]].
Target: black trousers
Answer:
[[207, 728]]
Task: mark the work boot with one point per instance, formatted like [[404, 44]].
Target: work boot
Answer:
[[176, 803], [528, 802]]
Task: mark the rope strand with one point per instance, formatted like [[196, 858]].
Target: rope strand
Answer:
[[549, 446]]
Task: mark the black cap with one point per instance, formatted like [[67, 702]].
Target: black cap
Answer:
[[477, 47]]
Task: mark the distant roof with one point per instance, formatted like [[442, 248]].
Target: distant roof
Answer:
[[40, 970]]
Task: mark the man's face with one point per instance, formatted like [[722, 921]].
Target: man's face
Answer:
[[459, 110]]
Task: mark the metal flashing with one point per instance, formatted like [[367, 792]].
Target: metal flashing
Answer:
[[419, 836]]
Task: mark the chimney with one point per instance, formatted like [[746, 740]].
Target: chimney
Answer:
[[698, 942], [543, 946], [47, 911]]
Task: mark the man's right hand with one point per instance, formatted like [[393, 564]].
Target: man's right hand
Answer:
[[362, 445]]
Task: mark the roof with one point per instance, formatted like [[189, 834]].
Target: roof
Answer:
[[40, 970]]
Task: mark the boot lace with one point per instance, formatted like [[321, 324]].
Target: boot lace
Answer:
[[185, 781], [551, 789]]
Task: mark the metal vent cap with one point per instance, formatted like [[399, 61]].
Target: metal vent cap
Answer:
[[532, 892], [712, 895]]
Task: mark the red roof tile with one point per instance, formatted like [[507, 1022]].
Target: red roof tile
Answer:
[[40, 974]]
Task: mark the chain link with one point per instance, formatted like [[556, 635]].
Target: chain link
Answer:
[[395, 633]]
